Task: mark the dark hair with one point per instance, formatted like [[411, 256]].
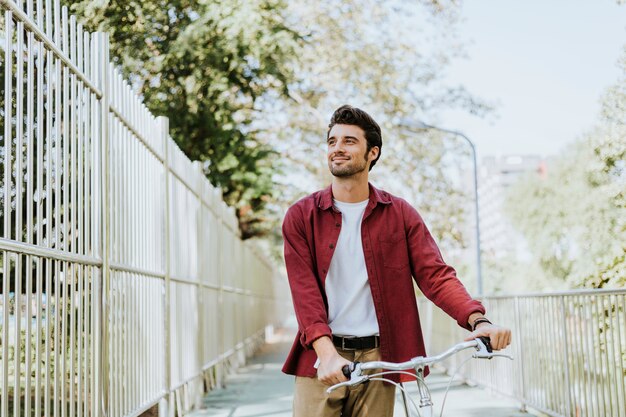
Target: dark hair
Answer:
[[348, 115]]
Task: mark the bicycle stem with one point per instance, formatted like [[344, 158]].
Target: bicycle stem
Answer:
[[425, 398]]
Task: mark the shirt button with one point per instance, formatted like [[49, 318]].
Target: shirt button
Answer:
[[338, 224], [331, 246]]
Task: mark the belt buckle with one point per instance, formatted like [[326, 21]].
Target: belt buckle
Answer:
[[343, 342]]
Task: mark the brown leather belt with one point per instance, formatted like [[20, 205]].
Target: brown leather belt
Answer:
[[356, 343]]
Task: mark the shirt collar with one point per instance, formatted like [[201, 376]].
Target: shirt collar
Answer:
[[325, 197]]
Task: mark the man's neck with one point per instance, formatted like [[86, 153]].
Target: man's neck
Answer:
[[350, 190]]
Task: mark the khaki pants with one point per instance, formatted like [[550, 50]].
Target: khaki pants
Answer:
[[371, 399]]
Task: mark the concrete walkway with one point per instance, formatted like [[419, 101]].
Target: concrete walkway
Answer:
[[261, 390]]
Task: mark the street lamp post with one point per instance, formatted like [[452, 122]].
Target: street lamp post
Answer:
[[419, 125]]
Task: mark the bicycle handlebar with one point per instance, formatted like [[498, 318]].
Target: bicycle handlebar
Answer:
[[482, 346]]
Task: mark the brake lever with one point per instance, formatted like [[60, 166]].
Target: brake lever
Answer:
[[339, 385], [353, 381], [354, 373], [484, 351]]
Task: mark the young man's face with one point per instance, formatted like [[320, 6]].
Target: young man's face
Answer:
[[347, 151]]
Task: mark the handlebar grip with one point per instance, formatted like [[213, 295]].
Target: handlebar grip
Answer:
[[348, 369], [487, 342]]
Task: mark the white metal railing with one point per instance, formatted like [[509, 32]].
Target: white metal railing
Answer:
[[125, 283], [569, 349]]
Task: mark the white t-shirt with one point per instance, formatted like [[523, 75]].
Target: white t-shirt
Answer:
[[350, 305]]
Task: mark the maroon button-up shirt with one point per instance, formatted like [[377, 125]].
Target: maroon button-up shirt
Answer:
[[397, 247]]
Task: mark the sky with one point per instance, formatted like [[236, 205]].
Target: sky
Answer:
[[545, 64]]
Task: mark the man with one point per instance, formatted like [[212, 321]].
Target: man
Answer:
[[351, 252]]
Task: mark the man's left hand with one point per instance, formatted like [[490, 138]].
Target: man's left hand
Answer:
[[500, 336]]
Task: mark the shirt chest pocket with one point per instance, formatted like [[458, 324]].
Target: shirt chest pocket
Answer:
[[394, 250]]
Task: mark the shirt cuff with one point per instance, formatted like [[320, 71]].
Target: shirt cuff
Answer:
[[314, 332], [467, 310]]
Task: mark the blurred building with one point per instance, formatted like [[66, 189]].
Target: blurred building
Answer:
[[496, 174]]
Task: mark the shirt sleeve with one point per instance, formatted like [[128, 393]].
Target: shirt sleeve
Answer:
[[305, 286], [436, 279]]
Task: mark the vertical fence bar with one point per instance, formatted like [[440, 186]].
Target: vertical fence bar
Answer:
[[115, 178], [599, 328], [39, 212], [606, 386], [165, 405], [125, 391], [220, 298], [8, 66], [19, 149], [202, 337], [49, 206], [88, 309], [4, 384], [65, 222], [57, 207], [592, 355], [80, 236], [30, 144], [55, 346], [520, 350], [567, 387], [72, 211], [572, 350], [583, 394], [33, 98], [553, 321], [93, 230], [19, 136], [102, 388], [132, 368], [621, 350], [8, 137]]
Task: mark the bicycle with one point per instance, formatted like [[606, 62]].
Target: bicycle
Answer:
[[355, 375]]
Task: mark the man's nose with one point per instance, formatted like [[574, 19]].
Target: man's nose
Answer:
[[338, 148]]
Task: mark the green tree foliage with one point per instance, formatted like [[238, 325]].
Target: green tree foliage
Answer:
[[204, 64], [389, 58], [575, 217], [249, 87]]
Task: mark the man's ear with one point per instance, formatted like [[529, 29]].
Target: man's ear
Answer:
[[374, 152]]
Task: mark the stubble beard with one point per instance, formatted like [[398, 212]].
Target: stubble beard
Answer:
[[349, 169]]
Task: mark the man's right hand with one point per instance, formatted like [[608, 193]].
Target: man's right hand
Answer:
[[329, 371]]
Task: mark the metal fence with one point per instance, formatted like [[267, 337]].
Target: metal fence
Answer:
[[124, 281], [569, 350]]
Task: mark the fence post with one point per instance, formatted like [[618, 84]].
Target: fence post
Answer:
[[567, 386], [199, 285], [520, 350], [165, 408], [102, 322], [219, 209]]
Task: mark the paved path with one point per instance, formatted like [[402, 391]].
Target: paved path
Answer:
[[261, 390]]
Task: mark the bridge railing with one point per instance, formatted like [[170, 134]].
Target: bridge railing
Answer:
[[569, 349], [120, 263]]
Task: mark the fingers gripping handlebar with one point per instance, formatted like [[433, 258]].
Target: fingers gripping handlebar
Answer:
[[486, 341]]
